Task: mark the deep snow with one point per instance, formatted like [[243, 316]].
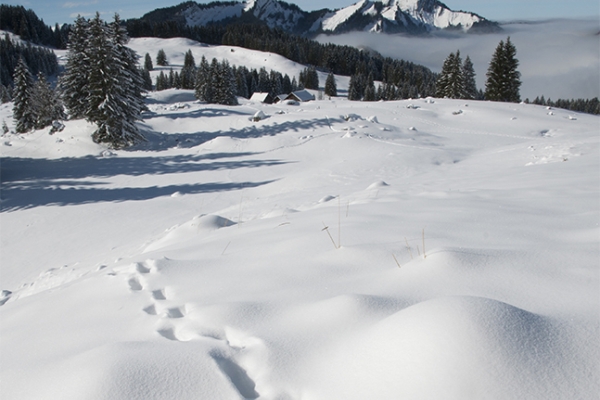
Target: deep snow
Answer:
[[233, 259]]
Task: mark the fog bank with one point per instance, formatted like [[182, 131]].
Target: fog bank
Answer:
[[558, 58]]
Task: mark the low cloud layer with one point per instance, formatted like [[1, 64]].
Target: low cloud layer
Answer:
[[558, 58]]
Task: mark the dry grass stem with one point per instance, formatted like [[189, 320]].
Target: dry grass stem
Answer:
[[225, 249], [424, 255], [408, 247], [326, 228]]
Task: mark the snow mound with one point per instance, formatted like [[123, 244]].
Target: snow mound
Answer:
[[438, 345], [326, 199], [141, 370], [200, 225], [377, 185]]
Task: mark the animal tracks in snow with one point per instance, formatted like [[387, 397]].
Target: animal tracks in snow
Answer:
[[236, 354], [159, 294], [134, 284]]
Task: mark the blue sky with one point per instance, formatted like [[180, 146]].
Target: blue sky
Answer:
[[62, 11]]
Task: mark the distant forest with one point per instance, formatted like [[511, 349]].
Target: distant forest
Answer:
[[29, 27], [590, 106], [411, 80]]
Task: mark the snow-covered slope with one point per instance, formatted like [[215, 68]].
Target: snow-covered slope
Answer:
[[418, 249]]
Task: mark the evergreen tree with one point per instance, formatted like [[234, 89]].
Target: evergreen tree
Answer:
[[5, 95], [263, 85], [148, 62], [330, 86], [276, 86], [75, 79], [513, 76], [455, 79], [354, 92], [442, 83], [468, 75], [47, 107], [103, 82], [147, 79], [503, 78], [241, 82], [161, 58], [225, 84], [203, 81], [97, 84], [162, 81], [123, 87], [450, 83], [370, 93], [286, 85], [309, 78], [188, 72], [23, 109]]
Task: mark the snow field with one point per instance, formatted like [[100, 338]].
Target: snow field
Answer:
[[196, 265]]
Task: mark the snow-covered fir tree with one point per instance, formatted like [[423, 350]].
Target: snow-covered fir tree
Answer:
[[203, 81], [47, 106], [124, 100], [23, 108], [330, 85], [74, 81], [224, 85], [276, 83], [109, 89]]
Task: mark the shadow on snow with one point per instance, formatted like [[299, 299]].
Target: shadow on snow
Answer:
[[27, 183], [41, 194], [157, 141]]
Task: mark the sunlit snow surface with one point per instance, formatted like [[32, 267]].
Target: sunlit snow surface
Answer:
[[417, 249]]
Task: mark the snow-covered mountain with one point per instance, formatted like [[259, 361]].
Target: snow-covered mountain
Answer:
[[411, 16], [399, 15]]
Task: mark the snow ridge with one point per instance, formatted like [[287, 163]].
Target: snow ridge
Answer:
[[398, 14], [414, 16]]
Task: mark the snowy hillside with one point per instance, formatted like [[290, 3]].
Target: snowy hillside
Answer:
[[176, 48], [418, 249]]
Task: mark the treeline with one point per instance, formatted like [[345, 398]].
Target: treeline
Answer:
[[341, 60], [590, 106], [214, 80], [29, 27], [38, 59]]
